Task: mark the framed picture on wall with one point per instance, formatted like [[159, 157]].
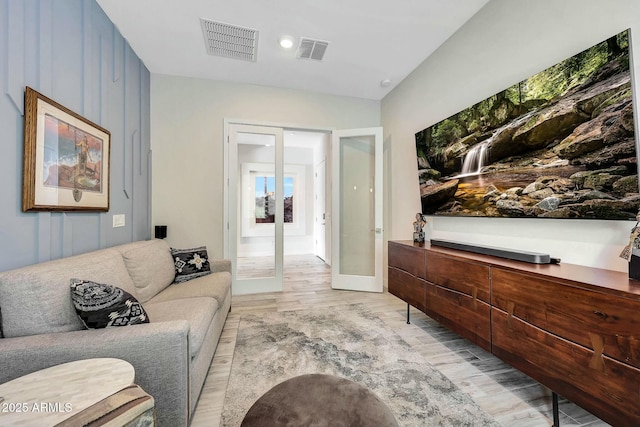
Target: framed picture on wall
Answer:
[[66, 159]]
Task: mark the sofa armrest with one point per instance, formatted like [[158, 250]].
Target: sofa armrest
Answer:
[[219, 265], [159, 352]]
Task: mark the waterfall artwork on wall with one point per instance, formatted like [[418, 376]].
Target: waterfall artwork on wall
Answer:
[[560, 144]]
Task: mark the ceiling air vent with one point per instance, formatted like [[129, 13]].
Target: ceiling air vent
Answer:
[[230, 41], [312, 49]]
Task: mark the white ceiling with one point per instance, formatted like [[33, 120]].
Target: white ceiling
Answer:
[[370, 40]]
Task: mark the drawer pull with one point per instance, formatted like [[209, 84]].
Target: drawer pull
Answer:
[[511, 307], [474, 294], [601, 314], [597, 360]]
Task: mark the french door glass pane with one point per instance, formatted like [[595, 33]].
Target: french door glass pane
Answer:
[[256, 206], [357, 226]]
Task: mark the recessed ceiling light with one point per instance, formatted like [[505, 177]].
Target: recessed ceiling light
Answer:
[[286, 42], [385, 82]]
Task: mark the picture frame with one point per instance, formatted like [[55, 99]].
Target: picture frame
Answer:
[[66, 160]]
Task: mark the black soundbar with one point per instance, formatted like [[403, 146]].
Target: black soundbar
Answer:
[[531, 257]]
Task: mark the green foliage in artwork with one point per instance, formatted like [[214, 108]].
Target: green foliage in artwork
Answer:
[[498, 109], [558, 79], [448, 131]]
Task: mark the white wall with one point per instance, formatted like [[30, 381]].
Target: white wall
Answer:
[[187, 127], [505, 42]]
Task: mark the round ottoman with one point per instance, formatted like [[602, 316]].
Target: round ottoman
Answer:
[[319, 400]]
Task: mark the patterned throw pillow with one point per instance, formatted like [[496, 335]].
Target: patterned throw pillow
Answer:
[[190, 263], [104, 306]]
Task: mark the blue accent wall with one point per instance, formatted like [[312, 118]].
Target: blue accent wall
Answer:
[[71, 52]]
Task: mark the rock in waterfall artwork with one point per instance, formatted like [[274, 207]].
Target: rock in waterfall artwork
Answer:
[[560, 144]]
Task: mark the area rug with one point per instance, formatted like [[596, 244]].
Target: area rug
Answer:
[[352, 343]]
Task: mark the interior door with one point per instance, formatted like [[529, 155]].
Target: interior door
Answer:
[[256, 208], [357, 240]]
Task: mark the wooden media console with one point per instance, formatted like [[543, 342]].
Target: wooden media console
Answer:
[[574, 329]]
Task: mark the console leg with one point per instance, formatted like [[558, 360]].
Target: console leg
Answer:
[[408, 322], [556, 415]]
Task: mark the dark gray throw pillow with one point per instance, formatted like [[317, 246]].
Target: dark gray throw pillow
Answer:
[[190, 263], [103, 306]]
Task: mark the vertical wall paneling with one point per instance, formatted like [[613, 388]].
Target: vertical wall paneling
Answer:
[[57, 233], [103, 224], [125, 112], [45, 48], [118, 56], [125, 169], [30, 31], [68, 55], [102, 79], [71, 52], [115, 119], [36, 34], [145, 135], [141, 158], [133, 182], [148, 233], [88, 70], [103, 118], [67, 235], [101, 33], [10, 156], [44, 236], [132, 67], [4, 49], [15, 47]]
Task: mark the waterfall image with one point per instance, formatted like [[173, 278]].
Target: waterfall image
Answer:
[[474, 160], [560, 144]]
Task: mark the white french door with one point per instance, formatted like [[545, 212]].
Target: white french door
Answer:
[[357, 239], [256, 207]]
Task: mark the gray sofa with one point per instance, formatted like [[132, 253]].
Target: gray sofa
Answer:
[[171, 354]]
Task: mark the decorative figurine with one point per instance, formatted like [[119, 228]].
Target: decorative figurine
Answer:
[[634, 241], [418, 225], [631, 252]]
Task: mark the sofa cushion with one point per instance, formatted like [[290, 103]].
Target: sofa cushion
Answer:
[[216, 285], [198, 312], [190, 263], [150, 266], [102, 306], [35, 299]]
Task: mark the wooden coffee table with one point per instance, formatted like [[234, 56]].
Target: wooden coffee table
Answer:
[[47, 397]]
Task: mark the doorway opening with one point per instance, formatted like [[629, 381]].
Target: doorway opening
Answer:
[[304, 196]]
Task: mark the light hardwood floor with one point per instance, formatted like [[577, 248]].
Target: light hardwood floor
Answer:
[[511, 397]]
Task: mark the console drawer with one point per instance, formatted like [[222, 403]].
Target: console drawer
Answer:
[[407, 287], [463, 314], [466, 277], [408, 258], [605, 323], [607, 387]]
